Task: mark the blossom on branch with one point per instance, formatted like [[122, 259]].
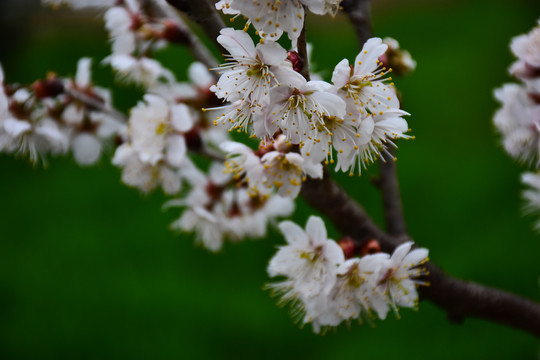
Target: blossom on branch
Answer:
[[218, 209], [325, 289], [272, 18]]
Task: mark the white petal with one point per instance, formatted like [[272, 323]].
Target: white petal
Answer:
[[176, 150], [15, 127], [181, 118], [82, 77], [316, 230], [237, 42], [292, 232], [86, 149]]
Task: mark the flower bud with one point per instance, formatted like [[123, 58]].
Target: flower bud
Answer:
[[174, 34], [347, 245], [370, 247], [296, 60], [398, 59], [193, 139], [50, 87]]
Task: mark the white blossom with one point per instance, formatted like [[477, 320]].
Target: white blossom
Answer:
[[299, 107], [118, 21], [145, 176], [251, 70], [156, 130], [140, 70], [527, 49], [400, 279], [25, 138], [225, 6], [88, 128], [363, 86], [353, 295], [518, 121], [398, 59], [309, 259], [216, 211], [244, 164], [375, 133], [532, 194], [271, 19]]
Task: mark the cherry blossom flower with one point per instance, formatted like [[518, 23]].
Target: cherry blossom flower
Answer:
[[398, 59], [353, 295], [89, 128], [252, 70], [299, 109], [375, 133], [31, 133], [144, 175], [119, 21], [309, 259], [401, 277], [518, 121], [244, 164], [140, 70], [24, 138], [527, 49], [286, 171], [156, 130], [331, 132], [363, 85], [225, 6], [532, 194], [271, 19], [217, 212]]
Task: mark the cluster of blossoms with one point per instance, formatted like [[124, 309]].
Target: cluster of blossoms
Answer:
[[47, 118], [326, 289], [357, 115], [299, 123], [272, 18], [518, 120]]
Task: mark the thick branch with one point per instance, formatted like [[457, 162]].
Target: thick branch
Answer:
[[459, 298], [359, 13]]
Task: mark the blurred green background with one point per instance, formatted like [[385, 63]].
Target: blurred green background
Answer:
[[89, 269]]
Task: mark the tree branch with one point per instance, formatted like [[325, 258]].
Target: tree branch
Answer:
[[95, 104], [204, 13], [302, 50], [459, 298], [389, 187], [359, 13], [197, 48]]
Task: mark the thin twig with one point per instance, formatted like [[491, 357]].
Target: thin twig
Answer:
[[359, 13], [302, 50], [95, 104]]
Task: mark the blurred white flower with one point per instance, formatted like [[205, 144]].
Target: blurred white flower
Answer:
[[519, 122]]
